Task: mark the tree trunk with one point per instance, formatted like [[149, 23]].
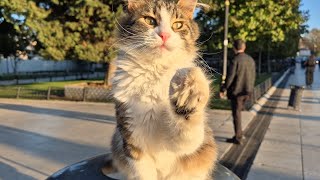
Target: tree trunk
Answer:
[[259, 62], [269, 60], [111, 68]]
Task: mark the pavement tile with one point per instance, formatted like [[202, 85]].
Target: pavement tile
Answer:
[[311, 160], [37, 138], [286, 147], [291, 147], [266, 172]]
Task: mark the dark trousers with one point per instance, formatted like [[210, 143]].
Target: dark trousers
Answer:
[[237, 105], [309, 77]]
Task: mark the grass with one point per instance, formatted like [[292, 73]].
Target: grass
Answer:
[[41, 88], [217, 103], [262, 77], [37, 90], [46, 85]]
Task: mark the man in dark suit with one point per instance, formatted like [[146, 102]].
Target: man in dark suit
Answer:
[[310, 66], [239, 86]]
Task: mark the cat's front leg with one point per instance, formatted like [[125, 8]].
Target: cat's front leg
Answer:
[[189, 92], [142, 169]]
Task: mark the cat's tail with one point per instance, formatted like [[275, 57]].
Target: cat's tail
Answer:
[[108, 168]]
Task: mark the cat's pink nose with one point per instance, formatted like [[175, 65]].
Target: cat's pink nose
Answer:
[[164, 36]]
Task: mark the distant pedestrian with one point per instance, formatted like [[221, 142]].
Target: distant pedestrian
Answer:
[[239, 86], [310, 65]]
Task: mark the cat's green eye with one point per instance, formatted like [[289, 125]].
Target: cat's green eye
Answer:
[[177, 26], [150, 21]]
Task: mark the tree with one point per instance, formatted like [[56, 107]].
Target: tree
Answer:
[[79, 30], [312, 40], [264, 24], [6, 38]]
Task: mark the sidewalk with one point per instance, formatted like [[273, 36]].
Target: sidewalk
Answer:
[[291, 147], [37, 138]]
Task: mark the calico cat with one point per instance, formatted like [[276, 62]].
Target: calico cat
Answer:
[[161, 95]]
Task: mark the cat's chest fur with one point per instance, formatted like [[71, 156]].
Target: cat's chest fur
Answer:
[[143, 87]]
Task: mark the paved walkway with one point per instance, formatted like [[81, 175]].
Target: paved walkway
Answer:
[[291, 147], [37, 138]]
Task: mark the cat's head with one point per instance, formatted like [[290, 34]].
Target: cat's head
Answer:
[[157, 28]]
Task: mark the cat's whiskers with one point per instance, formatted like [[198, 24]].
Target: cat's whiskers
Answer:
[[126, 38], [135, 46], [138, 39], [123, 28], [205, 66], [143, 39], [201, 43]]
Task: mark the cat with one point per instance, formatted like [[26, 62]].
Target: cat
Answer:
[[161, 95]]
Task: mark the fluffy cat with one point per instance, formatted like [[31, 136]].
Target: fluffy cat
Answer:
[[161, 95]]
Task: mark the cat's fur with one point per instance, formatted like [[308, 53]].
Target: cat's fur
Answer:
[[161, 95]]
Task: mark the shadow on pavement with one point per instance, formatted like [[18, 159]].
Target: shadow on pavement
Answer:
[[8, 173], [271, 107], [53, 149], [58, 112], [291, 116], [220, 138]]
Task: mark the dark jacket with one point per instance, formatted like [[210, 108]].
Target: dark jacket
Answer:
[[241, 77]]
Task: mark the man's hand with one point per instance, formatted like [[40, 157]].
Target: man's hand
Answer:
[[223, 95]]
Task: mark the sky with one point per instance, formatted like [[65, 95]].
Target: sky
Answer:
[[314, 11]]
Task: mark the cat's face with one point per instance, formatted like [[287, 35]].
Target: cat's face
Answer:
[[158, 28]]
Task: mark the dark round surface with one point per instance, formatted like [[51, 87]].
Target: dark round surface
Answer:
[[90, 169]]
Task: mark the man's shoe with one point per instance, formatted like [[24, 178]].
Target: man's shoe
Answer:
[[235, 140]]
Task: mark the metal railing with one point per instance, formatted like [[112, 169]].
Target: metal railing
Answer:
[[95, 94]]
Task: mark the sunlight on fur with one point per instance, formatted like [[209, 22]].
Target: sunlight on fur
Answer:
[[161, 96]]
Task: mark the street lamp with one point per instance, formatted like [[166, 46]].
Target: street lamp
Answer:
[[225, 43]]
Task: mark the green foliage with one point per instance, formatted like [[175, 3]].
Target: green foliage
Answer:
[[262, 23], [80, 29], [83, 29], [217, 103], [11, 40]]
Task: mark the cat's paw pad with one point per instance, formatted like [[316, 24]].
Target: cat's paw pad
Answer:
[[189, 91]]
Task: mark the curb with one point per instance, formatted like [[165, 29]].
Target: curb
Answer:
[[258, 105], [261, 101]]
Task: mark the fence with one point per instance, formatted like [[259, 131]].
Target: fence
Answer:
[[95, 94], [259, 91], [29, 78], [11, 65], [78, 93]]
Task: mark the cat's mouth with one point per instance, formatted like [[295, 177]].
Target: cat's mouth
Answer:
[[165, 47]]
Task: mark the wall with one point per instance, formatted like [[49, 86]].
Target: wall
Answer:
[[38, 64]]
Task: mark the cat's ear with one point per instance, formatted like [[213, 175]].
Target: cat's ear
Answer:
[[188, 6], [134, 4]]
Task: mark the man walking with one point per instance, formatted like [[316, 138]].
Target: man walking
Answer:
[[239, 86], [310, 66]]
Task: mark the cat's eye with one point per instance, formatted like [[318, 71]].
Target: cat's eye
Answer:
[[177, 25], [150, 21]]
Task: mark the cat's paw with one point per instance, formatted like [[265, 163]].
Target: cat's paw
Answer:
[[189, 91]]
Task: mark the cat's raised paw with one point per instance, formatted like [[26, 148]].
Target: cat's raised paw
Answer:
[[189, 91]]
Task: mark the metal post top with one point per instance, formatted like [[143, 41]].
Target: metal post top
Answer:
[[293, 86], [91, 169]]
